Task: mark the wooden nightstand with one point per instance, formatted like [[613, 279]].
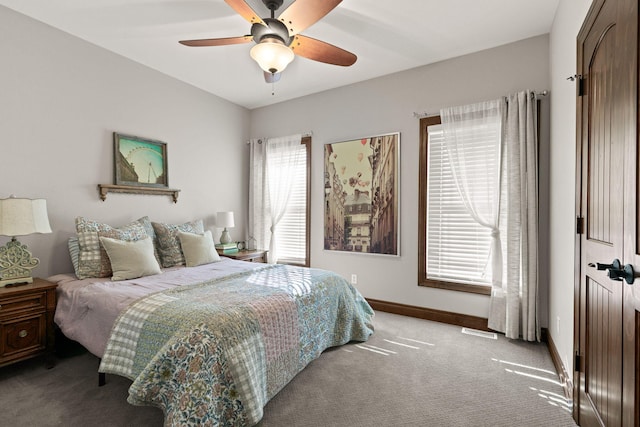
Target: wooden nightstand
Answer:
[[251, 256], [26, 321]]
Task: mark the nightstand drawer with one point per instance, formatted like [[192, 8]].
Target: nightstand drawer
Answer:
[[22, 336], [26, 321], [35, 301]]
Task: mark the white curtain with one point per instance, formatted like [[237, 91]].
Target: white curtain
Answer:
[[514, 306], [272, 174], [257, 229], [472, 136]]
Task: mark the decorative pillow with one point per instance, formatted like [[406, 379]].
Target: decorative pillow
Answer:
[[198, 249], [169, 246], [130, 260], [74, 252], [84, 224], [92, 259]]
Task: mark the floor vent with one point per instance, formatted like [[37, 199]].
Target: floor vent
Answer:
[[477, 333]]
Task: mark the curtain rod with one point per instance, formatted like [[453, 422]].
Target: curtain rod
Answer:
[[304, 135], [423, 114]]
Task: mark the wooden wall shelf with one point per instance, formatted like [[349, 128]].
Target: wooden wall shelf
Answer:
[[103, 189]]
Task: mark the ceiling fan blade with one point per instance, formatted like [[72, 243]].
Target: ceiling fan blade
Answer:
[[244, 10], [217, 42], [302, 14], [317, 50], [271, 77]]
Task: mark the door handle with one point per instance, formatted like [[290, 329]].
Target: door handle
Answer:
[[625, 273], [616, 265], [616, 271]]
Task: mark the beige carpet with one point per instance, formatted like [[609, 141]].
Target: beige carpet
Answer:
[[412, 372]]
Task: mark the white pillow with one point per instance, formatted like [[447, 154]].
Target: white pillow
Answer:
[[130, 260], [198, 249]]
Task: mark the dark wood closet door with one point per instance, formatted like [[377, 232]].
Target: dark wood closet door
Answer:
[[629, 113], [607, 135]]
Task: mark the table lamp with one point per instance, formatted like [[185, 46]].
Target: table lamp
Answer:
[[225, 219], [20, 217]]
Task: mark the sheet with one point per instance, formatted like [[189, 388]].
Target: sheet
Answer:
[[87, 309]]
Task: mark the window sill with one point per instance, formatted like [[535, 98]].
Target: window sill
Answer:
[[459, 287], [294, 263]]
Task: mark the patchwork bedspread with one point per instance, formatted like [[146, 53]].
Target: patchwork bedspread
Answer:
[[214, 353]]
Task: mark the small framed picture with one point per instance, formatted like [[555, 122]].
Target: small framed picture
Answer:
[[140, 161]]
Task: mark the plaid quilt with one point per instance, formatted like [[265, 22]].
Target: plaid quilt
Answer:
[[214, 353]]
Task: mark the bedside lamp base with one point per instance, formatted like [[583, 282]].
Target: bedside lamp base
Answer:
[[225, 237], [16, 263]]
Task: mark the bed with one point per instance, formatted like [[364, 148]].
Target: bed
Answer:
[[211, 344]]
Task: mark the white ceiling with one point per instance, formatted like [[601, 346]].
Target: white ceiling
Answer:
[[387, 36]]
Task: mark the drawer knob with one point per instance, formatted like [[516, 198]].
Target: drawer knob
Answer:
[[23, 333]]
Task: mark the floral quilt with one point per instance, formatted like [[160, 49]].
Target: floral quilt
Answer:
[[214, 353]]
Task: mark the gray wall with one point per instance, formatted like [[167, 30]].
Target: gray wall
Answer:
[[385, 105], [567, 23], [60, 100]]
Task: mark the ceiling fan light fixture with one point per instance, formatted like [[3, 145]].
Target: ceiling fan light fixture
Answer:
[[272, 55]]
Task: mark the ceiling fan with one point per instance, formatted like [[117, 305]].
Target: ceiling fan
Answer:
[[278, 40]]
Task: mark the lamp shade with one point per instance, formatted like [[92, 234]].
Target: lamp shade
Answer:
[[20, 217], [224, 219], [272, 55]]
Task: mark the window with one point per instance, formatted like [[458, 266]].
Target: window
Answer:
[[453, 247], [293, 228]]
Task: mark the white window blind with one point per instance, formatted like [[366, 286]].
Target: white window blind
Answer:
[[457, 246], [291, 230]]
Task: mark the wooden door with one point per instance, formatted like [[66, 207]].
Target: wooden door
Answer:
[[629, 114], [605, 384]]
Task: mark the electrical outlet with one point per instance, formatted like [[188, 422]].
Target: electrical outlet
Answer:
[[354, 279]]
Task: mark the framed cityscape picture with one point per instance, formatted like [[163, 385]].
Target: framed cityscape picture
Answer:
[[140, 161], [361, 195]]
